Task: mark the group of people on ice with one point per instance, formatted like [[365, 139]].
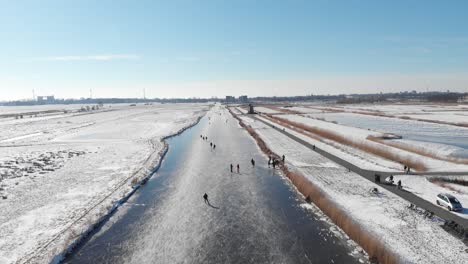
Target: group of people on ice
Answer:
[[271, 161], [212, 145], [238, 168], [274, 162]]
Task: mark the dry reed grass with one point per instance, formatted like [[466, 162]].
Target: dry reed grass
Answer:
[[417, 150], [446, 186], [375, 248], [448, 180], [285, 110]]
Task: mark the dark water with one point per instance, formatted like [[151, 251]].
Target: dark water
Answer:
[[299, 233], [418, 131]]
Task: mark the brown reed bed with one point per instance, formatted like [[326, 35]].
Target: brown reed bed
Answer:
[[377, 250], [446, 186], [417, 150], [378, 150], [285, 110], [449, 180]]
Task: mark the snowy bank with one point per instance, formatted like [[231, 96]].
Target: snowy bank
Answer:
[[59, 183]]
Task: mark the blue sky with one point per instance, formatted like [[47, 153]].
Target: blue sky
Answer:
[[214, 48]]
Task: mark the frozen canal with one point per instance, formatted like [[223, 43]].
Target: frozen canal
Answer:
[[255, 215]]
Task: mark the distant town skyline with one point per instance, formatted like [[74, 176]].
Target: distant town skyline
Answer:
[[182, 49]]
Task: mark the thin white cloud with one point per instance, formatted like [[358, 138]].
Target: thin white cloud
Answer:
[[92, 57]]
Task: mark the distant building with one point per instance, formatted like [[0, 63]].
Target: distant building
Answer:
[[243, 99], [45, 99], [230, 99]]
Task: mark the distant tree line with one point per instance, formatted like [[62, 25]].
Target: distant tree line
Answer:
[[341, 98]]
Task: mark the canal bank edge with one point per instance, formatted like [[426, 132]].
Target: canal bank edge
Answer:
[[73, 235], [376, 250]]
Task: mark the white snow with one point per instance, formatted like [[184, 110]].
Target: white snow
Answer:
[[422, 187], [55, 171], [267, 110], [306, 110], [366, 159], [452, 117], [408, 233]]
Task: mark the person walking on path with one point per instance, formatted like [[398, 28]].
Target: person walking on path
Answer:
[[211, 145], [274, 163], [253, 162], [231, 167], [238, 168], [399, 184], [214, 146], [283, 158], [205, 197]]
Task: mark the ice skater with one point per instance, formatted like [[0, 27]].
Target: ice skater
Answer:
[[399, 184], [211, 145], [205, 197], [238, 168], [253, 162], [214, 146], [231, 167], [283, 158]]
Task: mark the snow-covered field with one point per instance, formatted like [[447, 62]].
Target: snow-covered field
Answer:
[[59, 175], [400, 109], [305, 110], [452, 117], [267, 110], [415, 238], [422, 187], [436, 147], [361, 158]]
